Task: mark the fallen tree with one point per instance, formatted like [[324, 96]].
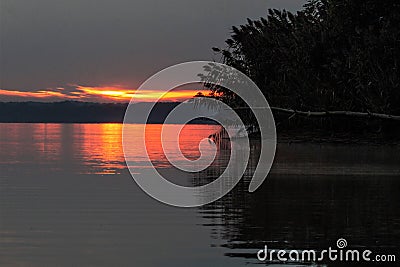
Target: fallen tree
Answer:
[[353, 114]]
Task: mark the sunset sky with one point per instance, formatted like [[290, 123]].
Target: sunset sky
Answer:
[[102, 50], [97, 94]]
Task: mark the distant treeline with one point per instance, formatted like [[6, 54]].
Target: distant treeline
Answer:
[[79, 112]]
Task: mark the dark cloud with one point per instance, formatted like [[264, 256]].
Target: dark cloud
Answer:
[[52, 43]]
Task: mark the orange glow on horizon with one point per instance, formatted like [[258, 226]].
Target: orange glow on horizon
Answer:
[[103, 93], [119, 93], [35, 94]]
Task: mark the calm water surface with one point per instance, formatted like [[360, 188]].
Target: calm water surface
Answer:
[[67, 199]]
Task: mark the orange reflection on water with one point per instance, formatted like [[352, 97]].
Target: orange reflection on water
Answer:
[[28, 143], [189, 139], [93, 148], [45, 138], [101, 147]]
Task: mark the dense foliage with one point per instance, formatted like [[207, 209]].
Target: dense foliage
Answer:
[[332, 55]]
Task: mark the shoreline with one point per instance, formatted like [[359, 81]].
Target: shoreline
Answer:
[[311, 137]]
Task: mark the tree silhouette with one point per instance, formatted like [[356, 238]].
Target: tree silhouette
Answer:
[[340, 55]]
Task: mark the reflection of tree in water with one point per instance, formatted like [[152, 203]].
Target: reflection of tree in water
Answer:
[[300, 211]]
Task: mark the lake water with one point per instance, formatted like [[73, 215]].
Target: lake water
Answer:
[[67, 199]]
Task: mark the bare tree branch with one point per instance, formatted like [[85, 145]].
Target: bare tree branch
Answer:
[[352, 114]]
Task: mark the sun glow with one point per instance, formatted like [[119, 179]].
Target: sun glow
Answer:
[[99, 94], [118, 93]]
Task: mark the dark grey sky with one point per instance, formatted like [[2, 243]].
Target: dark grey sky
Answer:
[[52, 43]]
